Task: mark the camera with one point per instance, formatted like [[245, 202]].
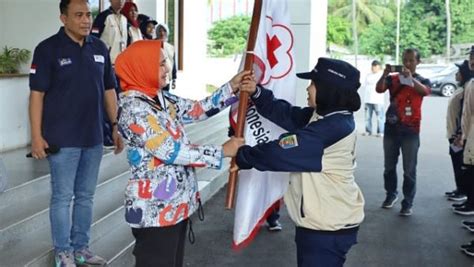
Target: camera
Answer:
[[396, 68]]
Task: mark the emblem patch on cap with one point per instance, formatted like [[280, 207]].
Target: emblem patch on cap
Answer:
[[288, 141]]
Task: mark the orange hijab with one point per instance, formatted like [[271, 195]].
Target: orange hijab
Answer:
[[138, 66]]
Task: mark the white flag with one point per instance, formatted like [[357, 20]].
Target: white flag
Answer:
[[274, 66]]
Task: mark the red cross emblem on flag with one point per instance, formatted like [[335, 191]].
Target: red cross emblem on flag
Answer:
[[276, 62]]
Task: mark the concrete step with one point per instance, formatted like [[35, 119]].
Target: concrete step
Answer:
[[124, 258], [33, 237], [25, 200], [21, 169], [108, 234]]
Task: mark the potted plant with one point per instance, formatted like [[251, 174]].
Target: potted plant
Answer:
[[11, 58]]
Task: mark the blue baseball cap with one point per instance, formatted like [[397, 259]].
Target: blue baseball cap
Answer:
[[335, 73]]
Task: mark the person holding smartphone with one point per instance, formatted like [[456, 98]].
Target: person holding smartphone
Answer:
[[402, 127]]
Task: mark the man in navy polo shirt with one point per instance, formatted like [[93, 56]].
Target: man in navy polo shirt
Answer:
[[71, 81]]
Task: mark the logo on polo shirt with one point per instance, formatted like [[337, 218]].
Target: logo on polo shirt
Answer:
[[64, 62], [99, 58]]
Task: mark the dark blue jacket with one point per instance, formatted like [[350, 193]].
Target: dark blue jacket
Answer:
[[301, 148]]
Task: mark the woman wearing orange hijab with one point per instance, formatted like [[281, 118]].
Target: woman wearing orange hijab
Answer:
[[130, 11], [162, 192]]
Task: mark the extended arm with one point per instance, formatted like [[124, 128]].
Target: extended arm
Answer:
[[38, 144], [190, 111], [292, 152], [280, 111], [382, 84]]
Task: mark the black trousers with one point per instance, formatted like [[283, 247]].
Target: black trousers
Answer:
[[160, 246], [468, 176], [457, 161]]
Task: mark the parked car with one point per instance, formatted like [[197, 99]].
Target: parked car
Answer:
[[444, 82], [430, 70]]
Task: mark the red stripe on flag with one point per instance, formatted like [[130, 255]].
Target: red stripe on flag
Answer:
[[257, 227]]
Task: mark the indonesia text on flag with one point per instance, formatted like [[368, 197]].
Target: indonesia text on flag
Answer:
[[274, 67]]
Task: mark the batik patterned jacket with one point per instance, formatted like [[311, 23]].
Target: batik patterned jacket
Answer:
[[163, 189]]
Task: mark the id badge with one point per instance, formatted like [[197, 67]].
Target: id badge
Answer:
[[408, 111]]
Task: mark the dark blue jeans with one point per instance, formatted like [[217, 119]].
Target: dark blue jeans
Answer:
[[317, 249], [408, 144]]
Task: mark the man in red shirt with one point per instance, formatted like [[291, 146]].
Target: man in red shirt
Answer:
[[402, 127]]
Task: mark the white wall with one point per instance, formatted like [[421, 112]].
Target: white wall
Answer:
[[154, 9], [24, 23], [14, 126]]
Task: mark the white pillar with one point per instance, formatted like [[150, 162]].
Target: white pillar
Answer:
[[191, 80], [309, 20]]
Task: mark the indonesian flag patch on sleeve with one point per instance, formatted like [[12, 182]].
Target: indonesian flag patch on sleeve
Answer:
[[288, 141], [33, 69], [95, 30]]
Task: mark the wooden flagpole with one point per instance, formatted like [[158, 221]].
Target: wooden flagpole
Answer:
[[243, 98]]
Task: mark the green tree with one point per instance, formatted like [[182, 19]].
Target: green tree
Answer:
[[338, 31], [368, 11], [378, 40], [423, 26], [462, 20], [228, 36]]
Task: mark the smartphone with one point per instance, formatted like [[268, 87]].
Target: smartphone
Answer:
[[396, 68]]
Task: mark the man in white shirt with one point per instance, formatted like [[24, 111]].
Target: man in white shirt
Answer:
[[374, 102], [111, 27]]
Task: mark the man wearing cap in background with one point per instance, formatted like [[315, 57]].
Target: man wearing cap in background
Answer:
[[323, 198], [467, 137], [453, 133], [402, 127], [464, 158]]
